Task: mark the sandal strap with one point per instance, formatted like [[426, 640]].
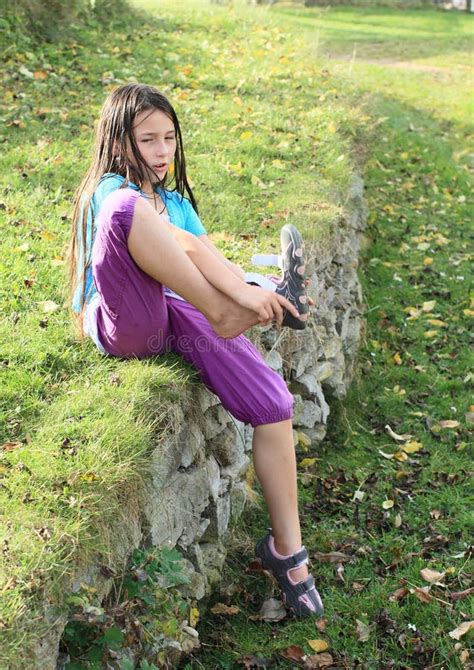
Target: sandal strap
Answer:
[[296, 559]]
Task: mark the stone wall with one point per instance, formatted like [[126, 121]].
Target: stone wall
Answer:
[[197, 482]]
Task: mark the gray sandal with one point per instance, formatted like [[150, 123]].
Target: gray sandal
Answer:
[[292, 285], [301, 597]]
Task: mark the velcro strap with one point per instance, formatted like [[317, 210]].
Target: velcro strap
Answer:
[[267, 259], [309, 583], [301, 556]]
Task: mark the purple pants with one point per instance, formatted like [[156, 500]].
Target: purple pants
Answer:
[[136, 319]]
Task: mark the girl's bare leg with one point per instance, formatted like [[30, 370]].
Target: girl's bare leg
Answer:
[[157, 253], [275, 466]]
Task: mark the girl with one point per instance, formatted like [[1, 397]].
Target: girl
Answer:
[[146, 279]]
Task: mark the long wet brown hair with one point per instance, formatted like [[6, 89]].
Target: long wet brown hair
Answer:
[[110, 155]]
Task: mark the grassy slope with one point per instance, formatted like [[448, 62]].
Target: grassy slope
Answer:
[[266, 140], [413, 373]]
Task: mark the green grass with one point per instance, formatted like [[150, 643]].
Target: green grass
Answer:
[[267, 139], [412, 375]]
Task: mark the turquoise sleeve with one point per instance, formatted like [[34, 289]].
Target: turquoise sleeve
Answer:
[[192, 220]]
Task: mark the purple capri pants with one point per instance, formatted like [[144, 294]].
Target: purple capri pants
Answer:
[[136, 319]]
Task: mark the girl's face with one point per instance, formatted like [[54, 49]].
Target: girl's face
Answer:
[[155, 136]]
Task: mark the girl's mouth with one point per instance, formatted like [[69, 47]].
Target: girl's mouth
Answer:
[[160, 166]]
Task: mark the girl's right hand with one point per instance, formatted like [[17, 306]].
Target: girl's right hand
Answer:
[[268, 305]]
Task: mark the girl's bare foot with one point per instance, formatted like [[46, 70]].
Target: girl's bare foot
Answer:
[[232, 319]]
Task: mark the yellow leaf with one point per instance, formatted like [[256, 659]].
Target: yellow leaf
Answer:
[[400, 456], [423, 246], [307, 462], [412, 447], [388, 504], [193, 617], [46, 235], [318, 645], [428, 306], [404, 156], [468, 312], [397, 359], [437, 322], [332, 128], [427, 261], [303, 439], [431, 333], [246, 135]]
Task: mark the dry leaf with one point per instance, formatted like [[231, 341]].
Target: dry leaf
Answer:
[[459, 595], [461, 630], [428, 306], [448, 423], [422, 593], [49, 306], [388, 504], [227, 610], [363, 630], [318, 645], [272, 610], [332, 557], [432, 576], [317, 661], [398, 594], [395, 436], [293, 653], [10, 446]]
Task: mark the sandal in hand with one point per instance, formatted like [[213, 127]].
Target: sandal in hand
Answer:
[[292, 285]]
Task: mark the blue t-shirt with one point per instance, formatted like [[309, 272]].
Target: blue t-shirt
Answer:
[[180, 212]]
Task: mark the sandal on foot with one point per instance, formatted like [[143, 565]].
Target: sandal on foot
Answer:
[[292, 285], [302, 597]]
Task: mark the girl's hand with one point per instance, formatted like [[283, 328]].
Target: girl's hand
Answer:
[[268, 305]]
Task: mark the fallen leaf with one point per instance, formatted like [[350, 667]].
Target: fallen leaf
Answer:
[[332, 557], [193, 617], [449, 423], [395, 436], [10, 446], [318, 645], [397, 359], [363, 630], [307, 462], [292, 653], [428, 306], [422, 593], [459, 595], [411, 447], [273, 610], [398, 594], [49, 306], [388, 504], [317, 661], [461, 630], [227, 610], [432, 576]]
